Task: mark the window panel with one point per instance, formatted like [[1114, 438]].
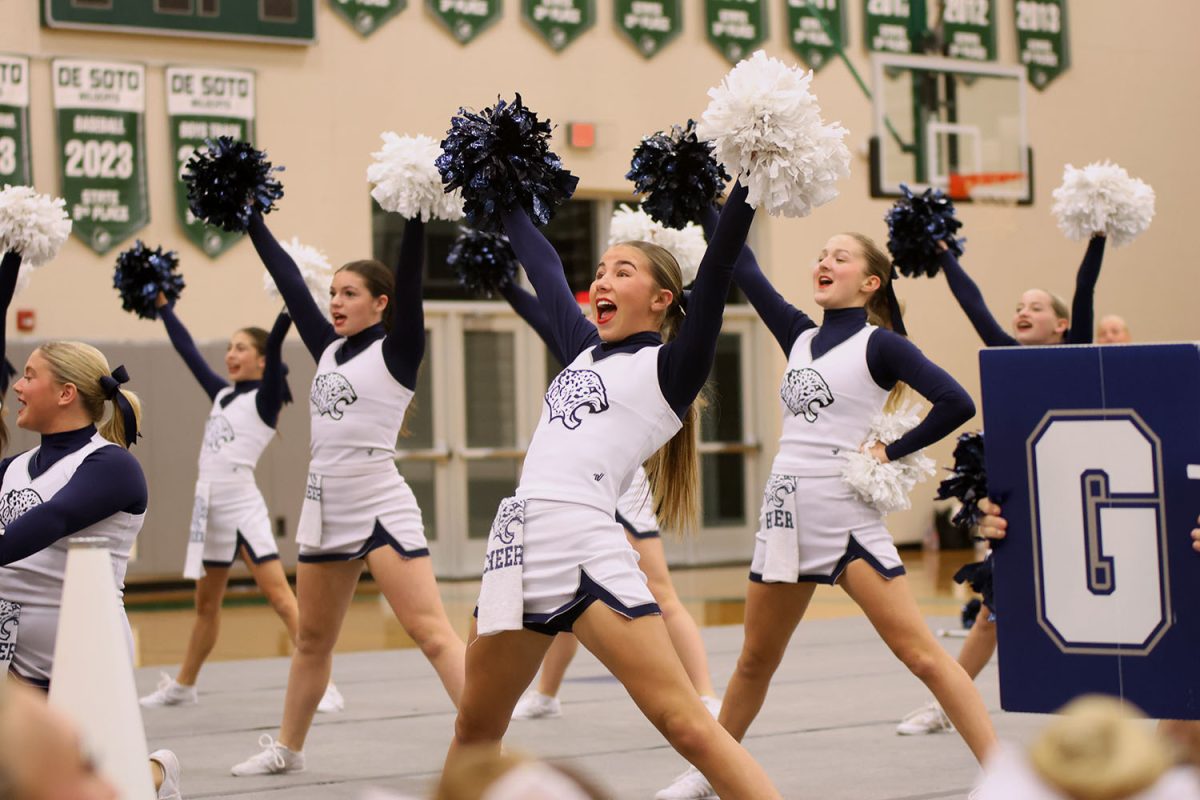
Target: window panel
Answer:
[[723, 489], [488, 482], [422, 479], [722, 420], [491, 391]]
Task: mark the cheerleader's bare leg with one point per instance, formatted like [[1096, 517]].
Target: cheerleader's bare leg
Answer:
[[411, 591], [324, 591], [892, 609], [638, 653], [498, 670], [773, 610], [210, 591], [979, 645], [272, 582], [554, 666]]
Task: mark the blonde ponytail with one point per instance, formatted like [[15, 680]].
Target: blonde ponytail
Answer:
[[96, 385]]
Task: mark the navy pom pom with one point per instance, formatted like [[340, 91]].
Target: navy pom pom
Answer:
[[141, 274], [915, 226], [228, 180], [485, 262], [979, 575], [969, 479], [501, 158], [678, 174]]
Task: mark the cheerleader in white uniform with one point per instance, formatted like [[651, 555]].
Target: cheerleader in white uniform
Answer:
[[557, 560], [357, 507], [635, 512], [230, 518], [813, 528]]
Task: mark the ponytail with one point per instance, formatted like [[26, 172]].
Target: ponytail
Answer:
[[87, 369], [883, 308]]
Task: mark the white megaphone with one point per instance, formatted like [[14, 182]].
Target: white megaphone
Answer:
[[92, 676]]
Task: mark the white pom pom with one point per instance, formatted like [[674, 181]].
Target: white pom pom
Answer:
[[687, 245], [766, 128], [408, 183], [34, 225], [314, 267], [887, 486], [1102, 198]]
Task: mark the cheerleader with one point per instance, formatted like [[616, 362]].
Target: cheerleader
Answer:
[[80, 480], [557, 560], [636, 514], [813, 528], [230, 518], [357, 507], [1041, 319]]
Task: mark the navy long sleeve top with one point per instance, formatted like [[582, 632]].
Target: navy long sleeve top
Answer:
[[683, 363], [891, 358], [108, 481], [528, 309], [967, 293], [270, 397], [403, 345], [10, 268]]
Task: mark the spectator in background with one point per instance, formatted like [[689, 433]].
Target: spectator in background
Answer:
[[1112, 330]]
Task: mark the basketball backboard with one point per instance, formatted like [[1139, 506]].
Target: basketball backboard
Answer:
[[952, 125]]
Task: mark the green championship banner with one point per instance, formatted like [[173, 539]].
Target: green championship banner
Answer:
[[202, 104], [816, 30], [465, 19], [101, 107], [559, 22], [367, 15], [886, 26], [649, 24], [736, 27], [969, 27], [1042, 43], [15, 166]]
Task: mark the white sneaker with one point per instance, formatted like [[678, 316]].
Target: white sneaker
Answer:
[[713, 704], [535, 705], [170, 693], [332, 701], [273, 760], [691, 785], [169, 790], [929, 718]]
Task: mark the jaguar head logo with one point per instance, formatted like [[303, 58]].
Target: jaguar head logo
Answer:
[[804, 392], [330, 395], [574, 391], [16, 503], [778, 488], [509, 518], [10, 613], [217, 432]]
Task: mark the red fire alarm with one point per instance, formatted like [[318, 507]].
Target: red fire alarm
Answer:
[[581, 135], [26, 320]]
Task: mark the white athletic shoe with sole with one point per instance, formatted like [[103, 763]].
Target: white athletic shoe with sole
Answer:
[[332, 701], [713, 704], [170, 693], [929, 718], [273, 760], [691, 785], [169, 790], [535, 705]]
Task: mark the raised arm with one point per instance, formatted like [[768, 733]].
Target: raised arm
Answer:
[[783, 320], [528, 309], [971, 300], [109, 480], [10, 268], [1082, 313], [404, 346], [572, 331], [209, 380], [272, 392], [315, 330], [684, 364], [892, 358]]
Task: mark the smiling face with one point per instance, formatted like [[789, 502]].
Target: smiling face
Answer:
[[242, 359], [1036, 322], [841, 278], [40, 397], [351, 305], [625, 297]]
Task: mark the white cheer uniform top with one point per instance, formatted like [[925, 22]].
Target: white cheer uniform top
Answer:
[[828, 403], [357, 411], [600, 421], [38, 579], [234, 437]]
